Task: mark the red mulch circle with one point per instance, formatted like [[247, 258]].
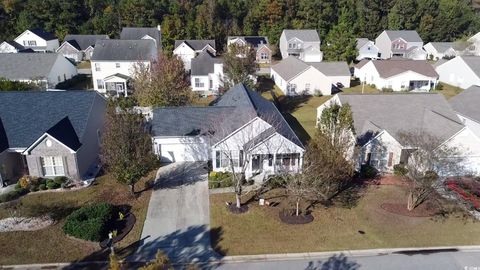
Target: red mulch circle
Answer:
[[235, 210], [288, 216], [423, 210]]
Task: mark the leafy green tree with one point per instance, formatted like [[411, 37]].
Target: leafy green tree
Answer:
[[317, 14], [453, 20], [340, 44], [7, 85], [372, 17], [403, 15]]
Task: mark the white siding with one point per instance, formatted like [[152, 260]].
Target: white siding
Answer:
[[108, 68], [211, 82], [469, 146], [384, 45], [369, 50], [316, 80], [62, 69], [456, 72], [186, 54], [41, 44], [380, 148], [7, 48]]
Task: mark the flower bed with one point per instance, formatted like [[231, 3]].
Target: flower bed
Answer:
[[467, 189]]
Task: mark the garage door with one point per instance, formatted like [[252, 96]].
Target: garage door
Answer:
[[175, 152]]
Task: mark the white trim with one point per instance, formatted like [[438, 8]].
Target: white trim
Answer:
[[235, 131], [30, 33], [27, 151], [63, 44]]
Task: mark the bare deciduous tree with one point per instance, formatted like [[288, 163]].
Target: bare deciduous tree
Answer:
[[163, 83], [126, 146]]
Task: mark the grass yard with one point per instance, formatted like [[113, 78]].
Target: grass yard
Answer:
[[449, 90], [84, 65], [202, 101], [51, 244], [260, 231]]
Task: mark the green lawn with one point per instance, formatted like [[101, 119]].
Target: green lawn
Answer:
[[84, 65], [51, 244], [449, 90], [260, 231]]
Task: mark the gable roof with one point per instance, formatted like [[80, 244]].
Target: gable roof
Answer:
[[135, 33], [203, 64], [196, 44], [17, 66], [255, 41], [473, 63], [290, 67], [15, 44], [82, 42], [43, 34], [306, 35], [467, 103], [407, 35], [398, 113], [339, 68], [26, 116], [392, 67], [124, 50], [235, 108], [361, 42], [441, 47]]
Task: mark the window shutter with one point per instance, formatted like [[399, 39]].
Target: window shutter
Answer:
[[390, 159]]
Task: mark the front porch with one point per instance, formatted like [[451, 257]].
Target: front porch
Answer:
[[421, 85], [118, 84]]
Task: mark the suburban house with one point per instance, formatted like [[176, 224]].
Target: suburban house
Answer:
[[242, 129], [381, 122], [263, 53], [12, 47], [301, 43], [398, 74], [206, 76], [186, 50], [439, 50], [48, 134], [44, 69], [473, 45], [135, 33], [295, 77], [400, 43], [38, 40], [461, 71], [79, 47], [366, 49], [113, 63], [466, 106]]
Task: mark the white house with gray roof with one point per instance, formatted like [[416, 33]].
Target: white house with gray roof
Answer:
[[295, 77], [148, 33], [44, 69], [206, 76], [113, 63], [263, 52], [366, 49], [38, 40], [400, 43], [466, 106], [381, 119], [439, 50], [461, 71], [186, 50], [301, 43], [49, 134], [79, 47], [241, 127], [397, 74]]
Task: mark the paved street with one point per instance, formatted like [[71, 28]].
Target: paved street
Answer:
[[462, 260], [178, 215]]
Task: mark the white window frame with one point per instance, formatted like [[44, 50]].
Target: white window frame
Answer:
[[100, 84], [307, 87], [198, 83], [117, 65], [52, 166], [97, 67], [264, 56]]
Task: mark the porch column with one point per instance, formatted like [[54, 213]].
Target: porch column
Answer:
[[274, 160], [429, 85], [125, 89], [300, 163]]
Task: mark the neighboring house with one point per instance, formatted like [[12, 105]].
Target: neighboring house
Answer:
[[466, 106], [263, 52], [302, 43], [12, 47], [439, 50], [113, 63], [366, 49], [295, 77], [186, 50], [79, 47], [48, 134], [416, 53], [398, 43], [398, 74], [134, 33], [381, 120], [242, 127], [38, 40], [207, 74], [45, 69], [473, 45], [461, 71]]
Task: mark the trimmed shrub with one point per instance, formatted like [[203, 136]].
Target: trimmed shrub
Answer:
[[399, 170], [42, 187], [33, 188], [60, 179], [24, 181], [90, 222], [387, 89], [368, 172], [12, 195], [220, 179], [276, 182], [52, 184]]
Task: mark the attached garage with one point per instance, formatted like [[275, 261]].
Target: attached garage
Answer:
[[175, 149]]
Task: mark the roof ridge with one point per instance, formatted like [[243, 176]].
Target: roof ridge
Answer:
[[444, 116]]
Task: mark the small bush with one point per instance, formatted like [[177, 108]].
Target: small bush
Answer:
[[439, 87], [276, 182], [42, 187], [60, 179], [317, 93], [12, 195], [52, 184], [24, 181], [399, 170], [220, 180], [387, 89], [368, 172], [33, 188], [90, 222], [17, 186]]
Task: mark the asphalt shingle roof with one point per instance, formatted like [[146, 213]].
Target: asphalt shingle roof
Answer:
[[135, 33], [361, 42], [28, 115], [17, 66], [255, 41], [473, 62], [306, 35], [290, 67], [196, 44], [441, 47], [82, 42], [407, 35], [467, 103], [43, 34], [392, 67], [397, 113], [332, 68], [15, 45], [124, 50], [203, 64]]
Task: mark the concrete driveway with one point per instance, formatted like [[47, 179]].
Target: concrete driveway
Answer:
[[178, 219]]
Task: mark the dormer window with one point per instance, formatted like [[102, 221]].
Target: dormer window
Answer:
[[117, 65]]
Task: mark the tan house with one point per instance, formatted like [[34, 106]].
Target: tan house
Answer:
[[259, 43]]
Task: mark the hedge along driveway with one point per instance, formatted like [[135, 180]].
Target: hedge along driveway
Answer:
[[51, 244]]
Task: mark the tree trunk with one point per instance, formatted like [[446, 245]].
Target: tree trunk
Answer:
[[410, 201], [132, 188], [297, 209], [237, 197]]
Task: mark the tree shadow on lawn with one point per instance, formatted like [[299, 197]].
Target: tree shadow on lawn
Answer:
[[196, 244], [297, 128], [264, 84], [335, 262], [176, 175], [288, 104]]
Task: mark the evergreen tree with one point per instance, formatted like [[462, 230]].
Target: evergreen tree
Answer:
[[340, 44], [403, 15]]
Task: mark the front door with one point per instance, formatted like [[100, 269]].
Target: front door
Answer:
[[256, 163]]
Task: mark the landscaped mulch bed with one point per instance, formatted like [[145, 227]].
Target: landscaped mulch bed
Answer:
[[288, 216], [123, 227], [423, 210], [232, 208]]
